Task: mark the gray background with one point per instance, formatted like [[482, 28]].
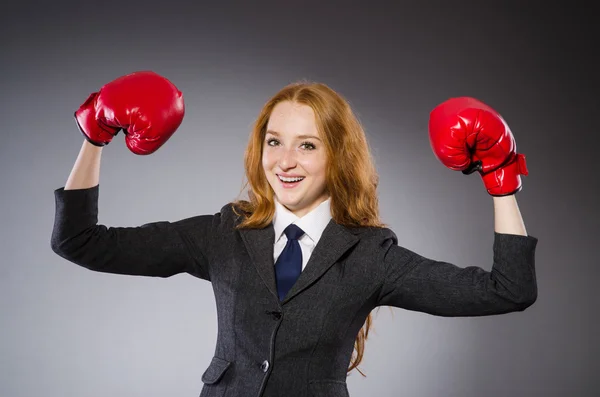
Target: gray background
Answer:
[[66, 331]]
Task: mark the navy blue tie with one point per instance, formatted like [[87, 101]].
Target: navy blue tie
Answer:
[[289, 264]]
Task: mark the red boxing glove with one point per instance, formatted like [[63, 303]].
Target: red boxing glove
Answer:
[[467, 135], [147, 106]]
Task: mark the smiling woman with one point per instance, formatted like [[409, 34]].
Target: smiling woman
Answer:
[[309, 130], [294, 160], [298, 266], [310, 147]]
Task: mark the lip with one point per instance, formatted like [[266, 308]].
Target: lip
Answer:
[[290, 175], [288, 185]]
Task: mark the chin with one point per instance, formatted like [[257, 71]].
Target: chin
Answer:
[[291, 203]]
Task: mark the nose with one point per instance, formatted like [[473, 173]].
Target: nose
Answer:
[[288, 158]]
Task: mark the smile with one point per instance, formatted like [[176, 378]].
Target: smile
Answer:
[[290, 179], [290, 182]]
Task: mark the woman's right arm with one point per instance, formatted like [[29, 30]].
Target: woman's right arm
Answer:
[[86, 171], [159, 249], [155, 249]]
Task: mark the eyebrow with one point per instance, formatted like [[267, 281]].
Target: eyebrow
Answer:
[[299, 136]]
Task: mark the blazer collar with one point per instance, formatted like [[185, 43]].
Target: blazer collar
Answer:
[[334, 242]]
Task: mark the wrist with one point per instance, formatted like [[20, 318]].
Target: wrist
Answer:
[[506, 180]]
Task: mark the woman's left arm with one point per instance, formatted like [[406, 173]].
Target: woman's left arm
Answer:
[[417, 283], [414, 282], [468, 135], [507, 217]]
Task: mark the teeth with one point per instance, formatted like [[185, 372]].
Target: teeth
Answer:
[[295, 179]]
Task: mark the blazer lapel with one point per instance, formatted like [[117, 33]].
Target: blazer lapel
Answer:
[[259, 243], [334, 242]]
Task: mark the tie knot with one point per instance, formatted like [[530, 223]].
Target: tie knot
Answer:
[[293, 232]]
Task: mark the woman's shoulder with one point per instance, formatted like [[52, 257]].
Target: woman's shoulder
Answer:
[[232, 214], [378, 234], [226, 217]]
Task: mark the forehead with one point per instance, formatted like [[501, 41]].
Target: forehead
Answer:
[[292, 118]]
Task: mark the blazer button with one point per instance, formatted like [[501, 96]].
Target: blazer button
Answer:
[[264, 366]]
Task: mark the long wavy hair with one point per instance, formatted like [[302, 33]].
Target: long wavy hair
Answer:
[[351, 177]]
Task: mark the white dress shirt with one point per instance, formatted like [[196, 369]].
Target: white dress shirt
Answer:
[[313, 224]]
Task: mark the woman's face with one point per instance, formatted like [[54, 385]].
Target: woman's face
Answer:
[[294, 158]]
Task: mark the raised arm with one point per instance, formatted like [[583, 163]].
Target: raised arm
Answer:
[[507, 217], [155, 249], [414, 282], [86, 170], [160, 249], [469, 136]]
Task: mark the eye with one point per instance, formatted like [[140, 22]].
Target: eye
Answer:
[[308, 146], [272, 142]]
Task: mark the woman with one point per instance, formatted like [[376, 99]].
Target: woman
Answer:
[[299, 266]]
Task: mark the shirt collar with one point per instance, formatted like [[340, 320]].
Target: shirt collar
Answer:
[[313, 224]]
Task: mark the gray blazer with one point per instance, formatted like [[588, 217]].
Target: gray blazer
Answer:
[[300, 346]]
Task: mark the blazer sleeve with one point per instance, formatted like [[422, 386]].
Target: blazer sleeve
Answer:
[[159, 249], [416, 283]]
